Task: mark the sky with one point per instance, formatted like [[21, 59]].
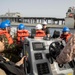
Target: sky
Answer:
[[37, 8]]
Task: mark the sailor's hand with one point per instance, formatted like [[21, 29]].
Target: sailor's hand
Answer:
[[21, 61]]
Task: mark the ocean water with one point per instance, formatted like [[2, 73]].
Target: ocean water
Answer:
[[14, 29]]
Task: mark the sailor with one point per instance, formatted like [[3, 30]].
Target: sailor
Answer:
[[10, 44], [45, 28], [22, 32], [39, 31], [66, 34], [4, 31], [4, 62], [68, 52]]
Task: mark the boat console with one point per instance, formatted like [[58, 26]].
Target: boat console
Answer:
[[37, 51]]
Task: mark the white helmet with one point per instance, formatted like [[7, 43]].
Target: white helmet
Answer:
[[38, 26], [44, 22]]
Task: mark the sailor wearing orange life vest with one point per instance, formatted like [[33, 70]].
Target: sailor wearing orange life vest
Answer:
[[39, 31], [66, 34], [3, 30], [8, 26], [22, 32]]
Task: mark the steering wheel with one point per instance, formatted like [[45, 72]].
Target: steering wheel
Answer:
[[55, 48]]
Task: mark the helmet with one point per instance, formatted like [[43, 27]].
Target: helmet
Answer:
[[4, 25], [21, 26], [7, 21], [38, 26], [0, 25], [44, 22], [66, 29]]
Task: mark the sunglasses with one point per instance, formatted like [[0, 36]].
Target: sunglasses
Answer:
[[44, 25]]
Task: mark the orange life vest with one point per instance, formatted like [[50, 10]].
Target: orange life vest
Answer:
[[1, 31], [8, 36], [40, 33], [66, 37], [21, 34]]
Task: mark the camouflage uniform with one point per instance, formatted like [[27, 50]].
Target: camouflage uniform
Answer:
[[68, 53], [11, 51]]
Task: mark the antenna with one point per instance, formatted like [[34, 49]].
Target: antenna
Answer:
[[8, 12]]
